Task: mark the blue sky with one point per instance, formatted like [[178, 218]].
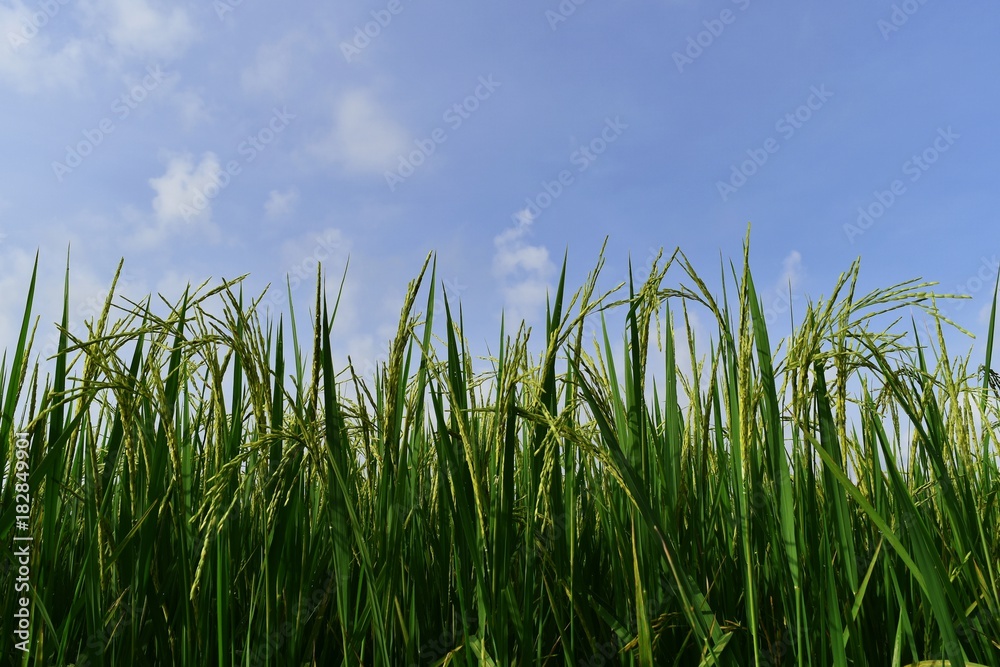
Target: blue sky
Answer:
[[213, 139]]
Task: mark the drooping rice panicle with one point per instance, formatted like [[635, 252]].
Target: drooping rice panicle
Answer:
[[199, 498]]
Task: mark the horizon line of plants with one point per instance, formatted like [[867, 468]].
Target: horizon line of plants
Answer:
[[208, 488]]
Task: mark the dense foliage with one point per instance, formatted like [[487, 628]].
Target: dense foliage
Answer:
[[209, 488]]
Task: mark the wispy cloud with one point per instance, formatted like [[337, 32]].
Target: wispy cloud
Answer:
[[35, 56], [142, 28], [778, 300], [523, 270], [792, 271], [281, 204], [183, 200], [191, 107], [364, 138], [273, 70], [29, 60]]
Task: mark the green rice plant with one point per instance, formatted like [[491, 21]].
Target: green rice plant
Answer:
[[208, 487]]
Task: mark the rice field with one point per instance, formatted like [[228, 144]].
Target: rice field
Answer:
[[202, 483]]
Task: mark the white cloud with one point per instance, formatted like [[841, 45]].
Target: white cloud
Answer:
[[298, 258], [142, 28], [273, 69], [366, 317], [183, 199], [28, 59], [174, 282], [281, 204], [363, 137], [778, 301], [88, 291], [792, 272], [32, 59], [179, 187], [300, 254], [523, 270], [191, 107]]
